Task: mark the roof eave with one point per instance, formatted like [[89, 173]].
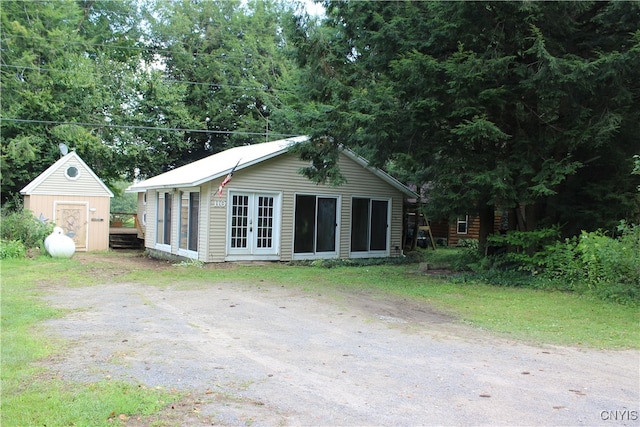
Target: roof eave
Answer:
[[197, 183]]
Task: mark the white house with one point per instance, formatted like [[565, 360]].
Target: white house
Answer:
[[269, 211]]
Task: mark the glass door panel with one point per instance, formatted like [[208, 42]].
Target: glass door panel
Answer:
[[378, 225], [239, 222], [305, 219], [326, 234], [360, 225]]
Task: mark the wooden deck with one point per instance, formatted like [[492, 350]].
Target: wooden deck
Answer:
[[124, 238]]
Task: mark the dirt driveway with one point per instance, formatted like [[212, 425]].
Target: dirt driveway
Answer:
[[265, 355]]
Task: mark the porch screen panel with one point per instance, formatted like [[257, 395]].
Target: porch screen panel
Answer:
[[184, 220], [305, 219], [160, 220], [359, 225], [167, 218], [239, 221], [379, 225], [264, 226], [164, 219], [326, 233], [194, 207]]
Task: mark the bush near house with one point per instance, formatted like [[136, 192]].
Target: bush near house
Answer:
[[20, 232], [592, 263]]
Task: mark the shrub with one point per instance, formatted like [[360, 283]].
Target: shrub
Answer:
[[591, 263], [521, 249], [22, 226], [468, 243], [411, 258], [12, 249], [598, 264]]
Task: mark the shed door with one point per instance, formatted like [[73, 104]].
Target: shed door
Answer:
[[72, 218], [253, 224]]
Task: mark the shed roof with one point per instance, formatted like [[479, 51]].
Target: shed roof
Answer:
[[96, 183], [220, 164]]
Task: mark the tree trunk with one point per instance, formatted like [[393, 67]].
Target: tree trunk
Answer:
[[486, 215]]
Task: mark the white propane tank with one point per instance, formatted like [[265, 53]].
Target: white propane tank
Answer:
[[59, 245]]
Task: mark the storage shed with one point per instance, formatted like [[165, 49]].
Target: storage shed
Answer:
[[251, 203], [70, 195]]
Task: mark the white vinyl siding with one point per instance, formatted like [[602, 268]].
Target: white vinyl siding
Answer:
[[150, 210], [85, 184], [281, 173]]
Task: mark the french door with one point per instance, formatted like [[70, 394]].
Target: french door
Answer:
[[254, 225]]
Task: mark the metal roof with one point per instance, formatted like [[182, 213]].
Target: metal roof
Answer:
[[220, 164], [216, 165]]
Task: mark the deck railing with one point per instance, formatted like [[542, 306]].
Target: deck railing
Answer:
[[123, 220]]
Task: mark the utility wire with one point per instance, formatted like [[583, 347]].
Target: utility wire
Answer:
[[172, 129]]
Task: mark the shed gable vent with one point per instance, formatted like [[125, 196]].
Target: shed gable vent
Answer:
[[72, 172]]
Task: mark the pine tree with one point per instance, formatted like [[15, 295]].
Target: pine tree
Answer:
[[526, 107]]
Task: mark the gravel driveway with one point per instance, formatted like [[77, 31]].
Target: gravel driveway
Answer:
[[265, 355]]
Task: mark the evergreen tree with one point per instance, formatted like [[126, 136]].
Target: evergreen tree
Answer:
[[528, 107]]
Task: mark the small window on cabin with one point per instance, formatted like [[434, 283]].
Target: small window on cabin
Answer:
[[463, 224], [72, 172]]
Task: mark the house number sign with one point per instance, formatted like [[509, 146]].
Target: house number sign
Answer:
[[219, 203]]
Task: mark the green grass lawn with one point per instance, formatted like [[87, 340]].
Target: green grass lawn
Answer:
[[525, 314]]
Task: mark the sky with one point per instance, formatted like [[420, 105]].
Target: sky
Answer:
[[313, 8]]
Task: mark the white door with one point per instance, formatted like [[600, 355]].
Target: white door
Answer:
[[254, 224]]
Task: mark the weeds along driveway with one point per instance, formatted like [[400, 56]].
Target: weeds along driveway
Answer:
[[268, 355]]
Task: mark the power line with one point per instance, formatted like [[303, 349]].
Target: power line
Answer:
[[171, 129]]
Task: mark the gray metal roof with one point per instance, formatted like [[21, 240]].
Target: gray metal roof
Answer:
[[220, 164]]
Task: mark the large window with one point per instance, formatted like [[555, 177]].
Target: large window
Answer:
[[189, 207], [163, 229], [369, 225], [315, 225]]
